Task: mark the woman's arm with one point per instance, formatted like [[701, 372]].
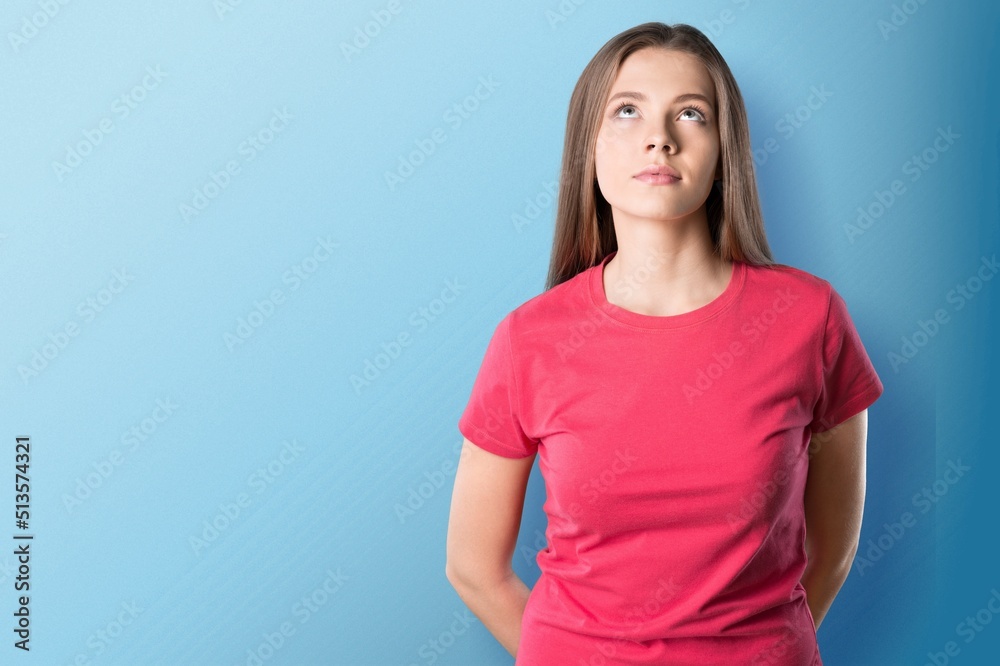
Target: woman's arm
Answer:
[[485, 518], [834, 504]]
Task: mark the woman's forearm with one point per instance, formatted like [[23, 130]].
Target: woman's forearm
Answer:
[[822, 580], [499, 606]]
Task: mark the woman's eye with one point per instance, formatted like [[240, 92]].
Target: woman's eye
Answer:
[[698, 115], [623, 107]]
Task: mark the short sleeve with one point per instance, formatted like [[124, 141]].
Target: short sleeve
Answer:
[[492, 418], [850, 383]]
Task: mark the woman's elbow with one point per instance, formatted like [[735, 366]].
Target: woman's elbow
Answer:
[[833, 555], [475, 573]]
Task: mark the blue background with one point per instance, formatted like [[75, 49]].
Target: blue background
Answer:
[[431, 262]]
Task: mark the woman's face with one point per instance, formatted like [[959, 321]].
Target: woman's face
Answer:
[[657, 124]]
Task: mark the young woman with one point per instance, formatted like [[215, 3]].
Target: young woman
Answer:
[[699, 411]]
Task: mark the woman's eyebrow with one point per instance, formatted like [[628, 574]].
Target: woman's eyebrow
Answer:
[[642, 98]]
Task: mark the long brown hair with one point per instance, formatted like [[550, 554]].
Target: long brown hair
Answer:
[[584, 229]]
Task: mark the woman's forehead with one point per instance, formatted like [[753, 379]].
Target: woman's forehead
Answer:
[[661, 73]]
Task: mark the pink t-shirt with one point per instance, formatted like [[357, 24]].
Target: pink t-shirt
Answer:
[[674, 452]]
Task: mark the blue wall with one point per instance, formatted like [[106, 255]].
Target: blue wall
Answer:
[[218, 216]]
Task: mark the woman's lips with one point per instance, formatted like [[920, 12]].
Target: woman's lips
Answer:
[[659, 174], [657, 178]]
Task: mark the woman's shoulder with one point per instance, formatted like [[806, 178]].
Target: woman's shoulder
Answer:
[[790, 271], [810, 293], [562, 303], [790, 276]]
